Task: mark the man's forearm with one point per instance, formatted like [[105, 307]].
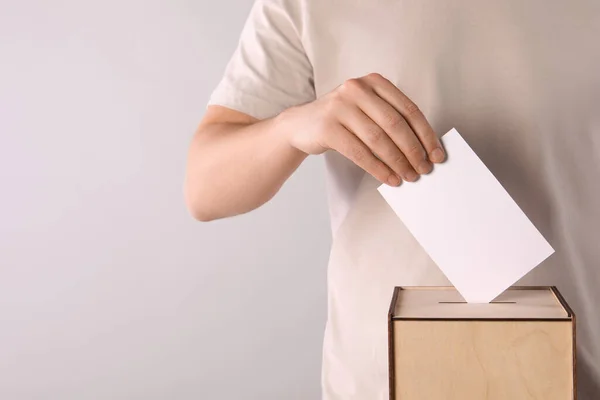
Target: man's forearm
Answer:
[[235, 168]]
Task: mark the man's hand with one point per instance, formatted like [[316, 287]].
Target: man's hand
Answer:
[[372, 123], [237, 163]]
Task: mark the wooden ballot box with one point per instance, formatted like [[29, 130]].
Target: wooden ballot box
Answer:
[[520, 346]]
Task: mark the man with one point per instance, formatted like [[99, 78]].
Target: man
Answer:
[[372, 84]]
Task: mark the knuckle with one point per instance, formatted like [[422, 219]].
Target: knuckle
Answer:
[[401, 161], [373, 134], [374, 76], [335, 97], [335, 101], [414, 150], [412, 110], [392, 120], [358, 154], [352, 85]]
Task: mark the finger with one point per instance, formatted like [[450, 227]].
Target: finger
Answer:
[[411, 113], [392, 122], [377, 140], [351, 147]]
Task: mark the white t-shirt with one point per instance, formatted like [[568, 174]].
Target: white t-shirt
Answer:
[[520, 79]]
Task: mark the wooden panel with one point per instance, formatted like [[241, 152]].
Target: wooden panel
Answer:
[[483, 360], [446, 303]]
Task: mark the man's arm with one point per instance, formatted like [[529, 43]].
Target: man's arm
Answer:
[[237, 163]]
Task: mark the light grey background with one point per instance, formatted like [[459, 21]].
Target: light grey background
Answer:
[[108, 289]]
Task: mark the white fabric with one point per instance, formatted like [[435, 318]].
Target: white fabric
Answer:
[[520, 79]]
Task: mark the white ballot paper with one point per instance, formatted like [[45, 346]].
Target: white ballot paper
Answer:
[[468, 224]]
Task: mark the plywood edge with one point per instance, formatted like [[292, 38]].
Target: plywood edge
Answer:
[[391, 360], [530, 288], [393, 304], [518, 287], [561, 300], [574, 354], [421, 287], [427, 288], [478, 319], [559, 297], [403, 294], [391, 353]]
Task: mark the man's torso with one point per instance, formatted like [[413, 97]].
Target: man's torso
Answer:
[[521, 81]]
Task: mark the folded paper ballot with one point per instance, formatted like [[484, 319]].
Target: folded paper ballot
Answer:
[[468, 224]]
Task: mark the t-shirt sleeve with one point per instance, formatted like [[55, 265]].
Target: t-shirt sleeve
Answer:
[[269, 70]]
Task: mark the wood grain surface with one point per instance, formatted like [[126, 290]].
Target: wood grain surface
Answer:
[[483, 360]]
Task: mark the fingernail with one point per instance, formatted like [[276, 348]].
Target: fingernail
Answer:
[[437, 155], [425, 167], [411, 176], [393, 180]]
